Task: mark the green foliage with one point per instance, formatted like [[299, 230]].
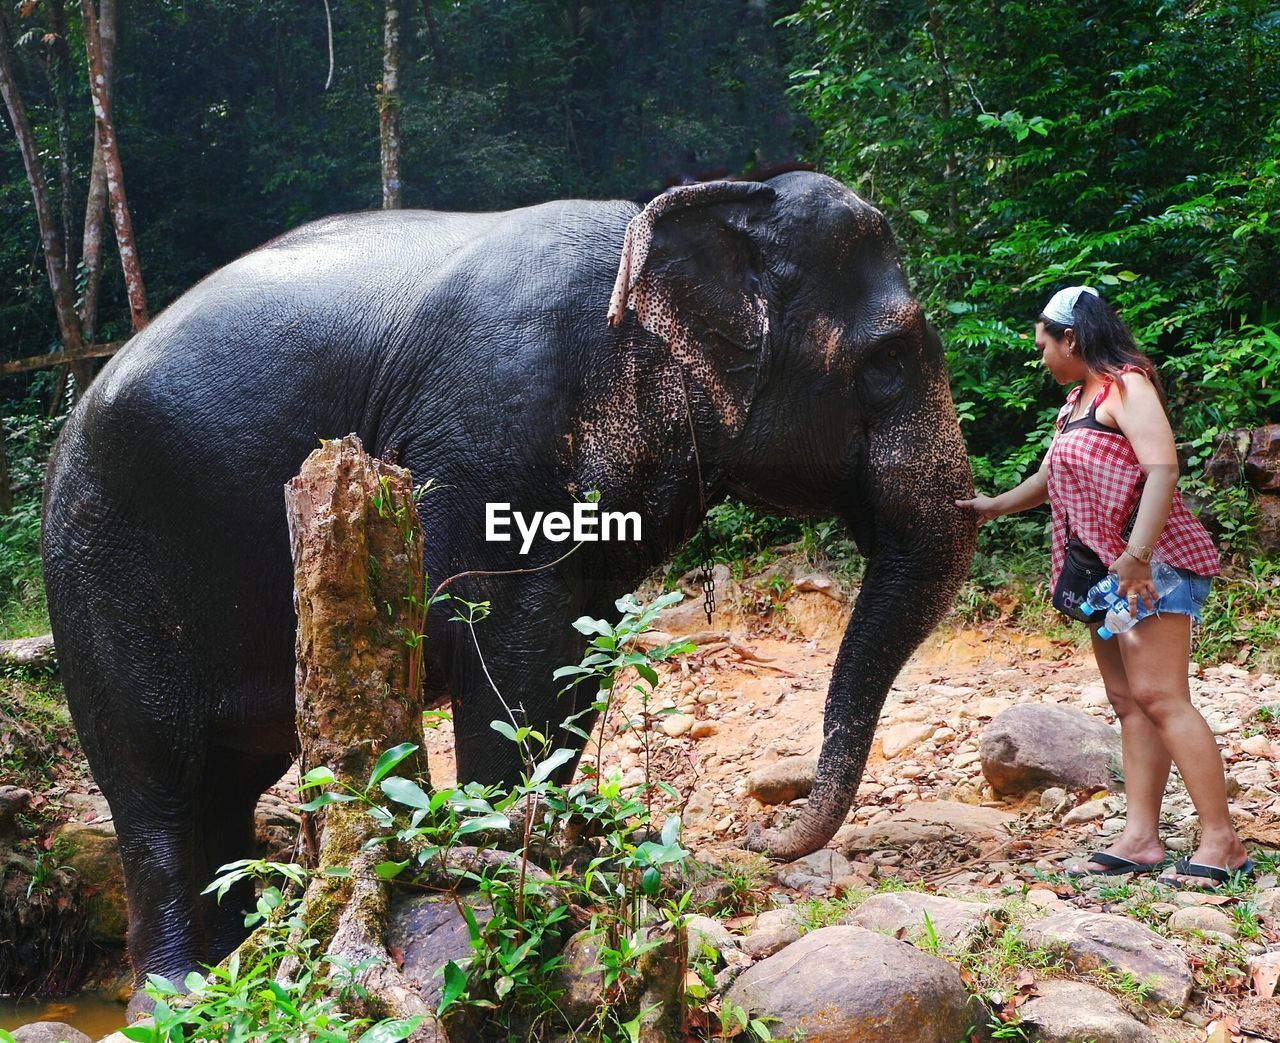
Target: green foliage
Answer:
[[1137, 153], [241, 1002], [27, 438]]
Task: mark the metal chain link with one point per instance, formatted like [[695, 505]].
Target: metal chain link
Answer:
[[708, 574]]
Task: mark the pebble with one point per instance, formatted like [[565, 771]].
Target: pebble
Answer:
[[1089, 811], [1257, 746], [703, 729], [676, 724]]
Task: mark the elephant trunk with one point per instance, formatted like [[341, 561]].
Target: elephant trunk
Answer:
[[923, 549]]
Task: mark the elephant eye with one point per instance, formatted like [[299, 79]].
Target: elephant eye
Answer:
[[882, 375]]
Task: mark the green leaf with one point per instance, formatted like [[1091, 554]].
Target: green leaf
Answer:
[[325, 799], [505, 730], [557, 758], [919, 216], [455, 984], [389, 760], [317, 777], [475, 825], [392, 1031], [390, 870], [406, 792]]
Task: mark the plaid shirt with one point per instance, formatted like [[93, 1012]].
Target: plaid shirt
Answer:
[[1095, 484]]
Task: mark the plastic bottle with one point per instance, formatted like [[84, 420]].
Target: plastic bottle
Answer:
[[1104, 595]]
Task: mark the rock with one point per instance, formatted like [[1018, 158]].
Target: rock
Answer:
[[815, 873], [1260, 1016], [783, 781], [1089, 811], [1201, 918], [773, 931], [581, 976], [1092, 940], [429, 932], [819, 584], [13, 802], [1266, 529], [676, 724], [928, 821], [1052, 799], [94, 853], [848, 983], [899, 737], [703, 729], [1262, 465], [1070, 1011], [953, 921], [49, 1032], [1257, 746], [1230, 450], [29, 651], [1035, 745], [704, 932]]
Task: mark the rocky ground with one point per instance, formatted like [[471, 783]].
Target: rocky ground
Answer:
[[932, 854]]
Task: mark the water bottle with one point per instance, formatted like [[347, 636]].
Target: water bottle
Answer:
[[1104, 594]]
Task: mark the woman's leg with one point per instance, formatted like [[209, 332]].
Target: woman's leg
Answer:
[[1146, 762], [1155, 655]]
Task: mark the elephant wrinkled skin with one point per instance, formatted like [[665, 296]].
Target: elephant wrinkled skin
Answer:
[[774, 319]]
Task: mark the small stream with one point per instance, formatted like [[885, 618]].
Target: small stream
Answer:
[[91, 1014]]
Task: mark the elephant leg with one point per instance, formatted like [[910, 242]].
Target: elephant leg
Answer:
[[160, 853], [513, 684], [226, 830]]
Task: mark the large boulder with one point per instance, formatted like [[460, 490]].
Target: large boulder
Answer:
[[929, 822], [1090, 941], [1037, 745], [848, 983], [93, 852], [1069, 1011], [49, 1032], [1262, 465], [903, 914]]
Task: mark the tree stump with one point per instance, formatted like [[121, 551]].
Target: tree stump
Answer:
[[357, 555]]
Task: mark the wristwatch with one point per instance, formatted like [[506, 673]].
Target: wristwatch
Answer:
[[1142, 554]]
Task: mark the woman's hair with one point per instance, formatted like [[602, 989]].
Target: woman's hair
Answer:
[[1105, 344]]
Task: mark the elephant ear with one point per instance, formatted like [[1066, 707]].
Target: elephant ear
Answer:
[[691, 269]]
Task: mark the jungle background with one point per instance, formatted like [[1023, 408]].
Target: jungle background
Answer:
[[1014, 147]]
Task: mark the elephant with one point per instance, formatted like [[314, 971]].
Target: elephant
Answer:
[[757, 340]]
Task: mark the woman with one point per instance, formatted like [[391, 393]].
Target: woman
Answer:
[[1112, 460]]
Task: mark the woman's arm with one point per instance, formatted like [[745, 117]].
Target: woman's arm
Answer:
[[1030, 493], [1141, 418]]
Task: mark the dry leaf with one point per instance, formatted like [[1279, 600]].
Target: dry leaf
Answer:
[[1216, 1033], [1266, 974]]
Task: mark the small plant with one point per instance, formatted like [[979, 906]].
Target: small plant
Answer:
[[246, 1001]]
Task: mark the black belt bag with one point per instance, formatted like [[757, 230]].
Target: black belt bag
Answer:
[[1081, 570]]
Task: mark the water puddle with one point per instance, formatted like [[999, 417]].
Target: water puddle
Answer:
[[93, 1015]]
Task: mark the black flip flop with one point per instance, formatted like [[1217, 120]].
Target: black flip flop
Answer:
[[1114, 865], [1217, 874]]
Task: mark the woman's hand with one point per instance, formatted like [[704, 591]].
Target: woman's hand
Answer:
[[984, 506], [1136, 585]]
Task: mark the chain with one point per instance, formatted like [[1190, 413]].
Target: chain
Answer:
[[708, 574], [708, 577]]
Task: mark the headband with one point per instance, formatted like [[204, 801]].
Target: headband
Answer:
[[1062, 305]]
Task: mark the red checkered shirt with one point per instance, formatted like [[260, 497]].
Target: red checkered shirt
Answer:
[[1095, 484]]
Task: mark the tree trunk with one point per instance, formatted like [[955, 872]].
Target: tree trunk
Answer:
[[389, 108], [438, 52], [59, 279], [129, 262], [357, 554], [96, 207]]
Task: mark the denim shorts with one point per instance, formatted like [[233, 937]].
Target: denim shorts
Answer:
[[1188, 597]]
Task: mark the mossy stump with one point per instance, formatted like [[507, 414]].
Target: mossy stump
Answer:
[[357, 559]]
